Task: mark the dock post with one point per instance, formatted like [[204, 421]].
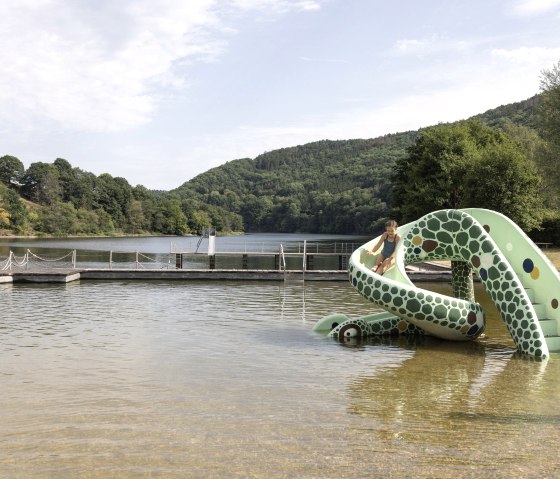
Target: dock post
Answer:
[[309, 262], [178, 261], [245, 261], [342, 262], [212, 261], [277, 262]]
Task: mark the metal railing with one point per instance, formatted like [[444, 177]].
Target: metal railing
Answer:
[[111, 260]]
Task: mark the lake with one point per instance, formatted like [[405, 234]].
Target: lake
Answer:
[[209, 379]]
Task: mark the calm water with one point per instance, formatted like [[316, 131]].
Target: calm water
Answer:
[[216, 380]]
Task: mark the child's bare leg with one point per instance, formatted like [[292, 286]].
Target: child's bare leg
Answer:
[[384, 265], [378, 263]]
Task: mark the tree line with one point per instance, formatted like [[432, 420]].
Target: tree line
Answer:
[[60, 199], [504, 159]]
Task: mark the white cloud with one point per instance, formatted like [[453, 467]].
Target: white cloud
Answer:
[[277, 6], [529, 56], [430, 46], [323, 60], [535, 7], [95, 70], [104, 65]]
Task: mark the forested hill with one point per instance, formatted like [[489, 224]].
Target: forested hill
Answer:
[[326, 186], [321, 187], [522, 113]]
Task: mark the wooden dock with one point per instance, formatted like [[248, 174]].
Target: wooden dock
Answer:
[[70, 275], [67, 276], [279, 266]]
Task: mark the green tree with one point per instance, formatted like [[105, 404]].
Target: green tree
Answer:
[[106, 224], [549, 127], [467, 164], [256, 212], [87, 222], [58, 218], [76, 186], [15, 214], [173, 220], [40, 183], [198, 220], [114, 195], [136, 221], [549, 108], [11, 170], [502, 179]]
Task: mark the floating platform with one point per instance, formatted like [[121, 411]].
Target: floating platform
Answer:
[[70, 275]]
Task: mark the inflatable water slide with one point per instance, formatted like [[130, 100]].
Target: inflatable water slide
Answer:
[[522, 282]]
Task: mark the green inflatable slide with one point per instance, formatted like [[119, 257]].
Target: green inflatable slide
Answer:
[[522, 282]]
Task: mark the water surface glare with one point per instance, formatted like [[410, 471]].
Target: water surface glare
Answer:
[[209, 379]]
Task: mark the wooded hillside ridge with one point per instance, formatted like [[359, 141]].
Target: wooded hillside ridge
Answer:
[[328, 186]]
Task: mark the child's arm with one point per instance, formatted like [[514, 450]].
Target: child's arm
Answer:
[[379, 243]]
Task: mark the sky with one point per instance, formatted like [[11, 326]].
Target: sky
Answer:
[[159, 91]]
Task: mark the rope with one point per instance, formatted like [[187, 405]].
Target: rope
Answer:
[[5, 264], [54, 260], [14, 259]]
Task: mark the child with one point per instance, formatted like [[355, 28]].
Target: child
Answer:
[[389, 239]]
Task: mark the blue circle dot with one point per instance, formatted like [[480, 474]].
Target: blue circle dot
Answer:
[[528, 265], [472, 330]]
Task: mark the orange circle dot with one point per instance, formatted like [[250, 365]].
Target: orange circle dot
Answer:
[[535, 273]]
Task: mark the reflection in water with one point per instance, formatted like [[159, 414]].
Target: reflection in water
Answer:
[[463, 405], [509, 418], [206, 379]]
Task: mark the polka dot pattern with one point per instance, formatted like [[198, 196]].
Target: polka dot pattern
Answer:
[[451, 235]]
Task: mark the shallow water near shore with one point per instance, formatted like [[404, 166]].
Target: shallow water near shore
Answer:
[[209, 379]]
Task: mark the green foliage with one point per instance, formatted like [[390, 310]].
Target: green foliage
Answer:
[[172, 219], [327, 186], [522, 113], [114, 195], [199, 220], [549, 108], [504, 180], [13, 213], [40, 183], [58, 218], [467, 164], [11, 170], [347, 187], [549, 128]]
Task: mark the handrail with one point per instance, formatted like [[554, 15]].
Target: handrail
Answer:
[[313, 247]]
